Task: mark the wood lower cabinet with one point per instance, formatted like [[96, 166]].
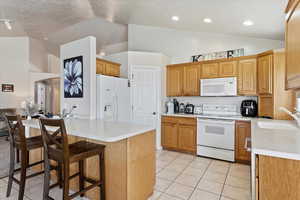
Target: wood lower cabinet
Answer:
[[247, 77], [191, 80], [242, 136], [174, 80], [265, 74], [187, 137], [179, 134], [210, 70], [108, 68], [169, 137], [277, 178], [228, 69]]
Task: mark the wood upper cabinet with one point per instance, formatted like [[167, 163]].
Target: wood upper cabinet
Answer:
[[108, 68], [191, 80], [242, 133], [228, 69], [175, 80], [265, 74], [210, 70], [293, 45], [179, 134], [247, 77]]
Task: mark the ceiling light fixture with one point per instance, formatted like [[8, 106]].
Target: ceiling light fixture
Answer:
[[175, 18], [7, 23], [248, 23], [207, 20]]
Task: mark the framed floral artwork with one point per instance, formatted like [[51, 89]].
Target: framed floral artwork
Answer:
[[73, 77]]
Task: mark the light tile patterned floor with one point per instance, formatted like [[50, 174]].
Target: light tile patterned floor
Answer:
[[186, 177], [178, 177]]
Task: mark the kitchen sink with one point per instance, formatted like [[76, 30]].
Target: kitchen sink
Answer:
[[277, 126]]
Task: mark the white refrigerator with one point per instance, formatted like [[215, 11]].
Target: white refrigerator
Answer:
[[113, 98]]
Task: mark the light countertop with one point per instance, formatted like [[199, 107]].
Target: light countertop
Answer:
[[231, 117], [282, 143], [104, 131]]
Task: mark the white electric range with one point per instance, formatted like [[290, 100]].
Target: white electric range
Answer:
[[215, 133]]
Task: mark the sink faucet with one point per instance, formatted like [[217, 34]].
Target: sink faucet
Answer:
[[295, 115]]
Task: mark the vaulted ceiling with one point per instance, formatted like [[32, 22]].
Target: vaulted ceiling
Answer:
[[48, 18]]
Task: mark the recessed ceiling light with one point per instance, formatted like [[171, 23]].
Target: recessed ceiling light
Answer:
[[248, 23], [175, 18], [207, 20]]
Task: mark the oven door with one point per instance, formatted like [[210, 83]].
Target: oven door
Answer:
[[219, 87], [216, 133]]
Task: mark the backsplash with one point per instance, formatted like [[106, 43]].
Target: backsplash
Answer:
[[214, 100]]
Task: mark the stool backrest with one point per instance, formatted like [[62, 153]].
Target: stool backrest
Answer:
[[55, 142], [16, 131]]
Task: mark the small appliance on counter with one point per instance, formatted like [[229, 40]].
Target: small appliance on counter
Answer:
[[170, 107], [176, 106], [189, 108], [198, 110], [181, 108], [249, 108]]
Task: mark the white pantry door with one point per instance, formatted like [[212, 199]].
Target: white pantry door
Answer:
[[145, 91]]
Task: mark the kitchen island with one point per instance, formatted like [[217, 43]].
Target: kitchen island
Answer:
[[129, 156]]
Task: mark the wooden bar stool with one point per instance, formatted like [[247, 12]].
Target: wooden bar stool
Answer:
[[66, 154], [19, 143]]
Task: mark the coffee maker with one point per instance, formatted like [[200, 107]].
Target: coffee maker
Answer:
[[249, 108]]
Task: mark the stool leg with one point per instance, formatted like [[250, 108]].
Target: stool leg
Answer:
[[11, 170], [81, 176], [66, 174], [102, 174], [24, 161], [18, 155], [46, 177], [59, 174]]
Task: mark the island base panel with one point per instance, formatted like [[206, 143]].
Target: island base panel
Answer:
[[130, 167]]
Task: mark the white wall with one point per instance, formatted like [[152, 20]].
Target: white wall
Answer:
[[38, 55], [14, 69], [85, 47], [181, 45]]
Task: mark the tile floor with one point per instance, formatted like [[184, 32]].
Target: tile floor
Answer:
[[179, 177], [186, 177]]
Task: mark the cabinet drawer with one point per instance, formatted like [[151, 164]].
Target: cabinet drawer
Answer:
[[169, 119], [187, 121]]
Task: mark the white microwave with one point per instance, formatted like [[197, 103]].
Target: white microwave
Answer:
[[218, 87]]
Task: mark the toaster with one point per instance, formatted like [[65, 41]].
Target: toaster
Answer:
[[189, 109]]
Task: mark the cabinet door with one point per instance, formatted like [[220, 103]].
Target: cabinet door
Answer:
[[242, 132], [174, 80], [266, 106], [187, 138], [228, 69], [278, 178], [112, 70], [247, 77], [265, 74], [191, 80], [210, 70], [100, 67], [293, 46], [169, 135]]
